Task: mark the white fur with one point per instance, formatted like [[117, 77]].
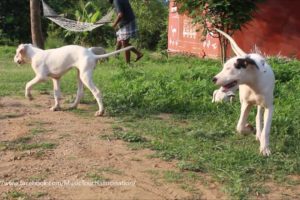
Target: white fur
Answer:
[[54, 63], [256, 85]]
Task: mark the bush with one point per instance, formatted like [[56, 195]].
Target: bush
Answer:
[[152, 17]]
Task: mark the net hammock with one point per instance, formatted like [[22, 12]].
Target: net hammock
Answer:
[[73, 25]]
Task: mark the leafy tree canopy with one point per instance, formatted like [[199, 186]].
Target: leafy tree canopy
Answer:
[[227, 15]]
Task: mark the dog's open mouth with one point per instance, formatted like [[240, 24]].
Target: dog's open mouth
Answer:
[[229, 86]]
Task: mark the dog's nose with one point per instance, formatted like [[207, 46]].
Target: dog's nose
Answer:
[[214, 79]]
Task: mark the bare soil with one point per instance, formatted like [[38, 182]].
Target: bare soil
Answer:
[[78, 155]]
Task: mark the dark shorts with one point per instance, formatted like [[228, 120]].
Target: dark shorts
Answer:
[[127, 31]]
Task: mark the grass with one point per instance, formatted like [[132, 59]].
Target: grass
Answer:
[[192, 130], [15, 195], [30, 141], [25, 143], [96, 177]]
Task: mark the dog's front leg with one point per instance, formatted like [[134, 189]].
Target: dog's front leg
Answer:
[[264, 138], [242, 124], [56, 93], [29, 85], [259, 122]]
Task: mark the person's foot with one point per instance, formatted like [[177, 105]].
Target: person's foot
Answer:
[[139, 57]]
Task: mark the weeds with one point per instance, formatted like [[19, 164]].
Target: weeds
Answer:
[[25, 143], [15, 195]]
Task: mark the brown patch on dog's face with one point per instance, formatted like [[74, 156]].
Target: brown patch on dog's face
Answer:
[[244, 62]]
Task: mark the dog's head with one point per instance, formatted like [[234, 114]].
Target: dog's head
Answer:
[[236, 71], [21, 54], [239, 69]]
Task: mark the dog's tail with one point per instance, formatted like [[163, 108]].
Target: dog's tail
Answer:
[[236, 49], [98, 57]]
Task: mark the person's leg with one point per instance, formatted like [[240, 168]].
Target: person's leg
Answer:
[[125, 43], [138, 54], [118, 45]]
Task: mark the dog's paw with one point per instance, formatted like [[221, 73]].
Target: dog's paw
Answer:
[[29, 97], [265, 151], [55, 108], [248, 129], [99, 113], [73, 106]]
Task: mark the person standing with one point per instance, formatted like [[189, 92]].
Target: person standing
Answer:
[[127, 27]]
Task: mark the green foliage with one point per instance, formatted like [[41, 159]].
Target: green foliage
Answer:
[[14, 22], [84, 11], [89, 12], [151, 19], [129, 137], [173, 89], [228, 16], [14, 194], [25, 143], [152, 23]]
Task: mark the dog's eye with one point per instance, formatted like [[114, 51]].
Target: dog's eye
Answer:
[[238, 65]]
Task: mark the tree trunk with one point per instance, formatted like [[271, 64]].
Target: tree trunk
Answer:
[[36, 26], [223, 48]]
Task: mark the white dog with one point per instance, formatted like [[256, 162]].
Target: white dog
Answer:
[[220, 96], [256, 82], [54, 63]]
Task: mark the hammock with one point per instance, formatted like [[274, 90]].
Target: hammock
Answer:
[[73, 25]]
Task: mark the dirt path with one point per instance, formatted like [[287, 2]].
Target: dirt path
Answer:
[[61, 148]]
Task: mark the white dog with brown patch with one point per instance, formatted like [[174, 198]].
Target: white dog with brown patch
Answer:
[[256, 82], [54, 63]]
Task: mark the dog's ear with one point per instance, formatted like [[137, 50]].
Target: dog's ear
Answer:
[[21, 49], [244, 62]]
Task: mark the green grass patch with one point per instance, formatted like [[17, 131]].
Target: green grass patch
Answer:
[[129, 137], [15, 195], [40, 195], [96, 177], [25, 143]]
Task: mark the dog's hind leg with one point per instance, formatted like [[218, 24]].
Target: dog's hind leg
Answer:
[[265, 134], [57, 94], [259, 122], [79, 94], [86, 78], [29, 85], [242, 124]]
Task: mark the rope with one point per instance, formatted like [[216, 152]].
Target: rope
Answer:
[[73, 25]]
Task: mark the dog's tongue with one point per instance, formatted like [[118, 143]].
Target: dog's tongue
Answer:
[[224, 89]]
